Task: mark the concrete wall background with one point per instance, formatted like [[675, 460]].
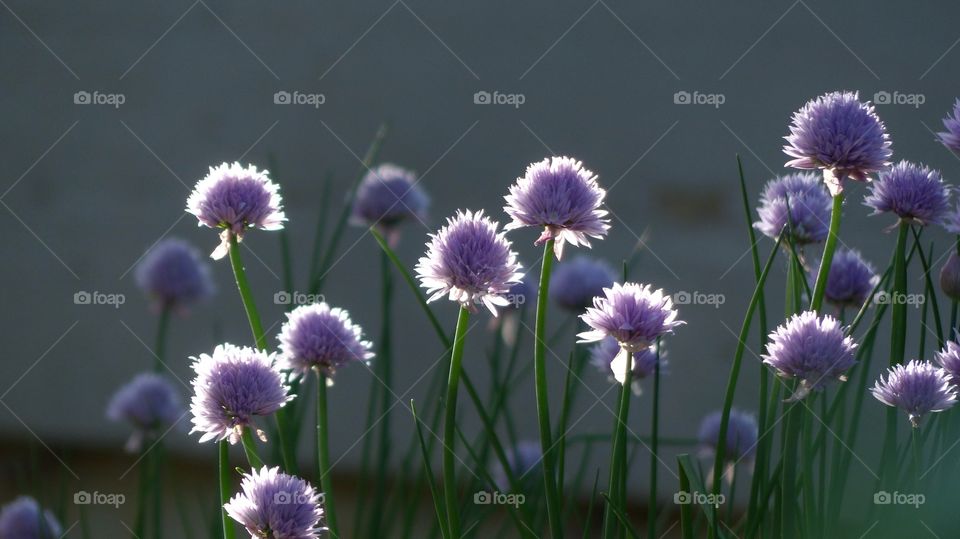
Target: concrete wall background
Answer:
[[88, 188]]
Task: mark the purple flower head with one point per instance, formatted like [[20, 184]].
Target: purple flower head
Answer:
[[851, 279], [915, 193], [949, 359], [524, 461], [561, 196], [917, 388], [174, 274], [575, 283], [149, 402], [606, 357], [316, 336], [235, 199], [387, 196], [741, 434], [838, 133], [811, 349], [470, 262], [633, 314], [950, 277], [232, 386], [951, 137], [23, 519], [277, 505], [809, 206]]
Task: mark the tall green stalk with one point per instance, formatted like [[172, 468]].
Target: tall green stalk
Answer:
[[323, 455], [450, 424], [898, 342], [816, 302], [250, 449], [543, 406], [384, 361], [618, 457], [654, 458], [225, 490]]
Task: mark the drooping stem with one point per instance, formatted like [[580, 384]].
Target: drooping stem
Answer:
[[323, 455], [654, 457], [450, 425], [228, 531], [250, 448], [160, 348], [831, 245], [543, 406]]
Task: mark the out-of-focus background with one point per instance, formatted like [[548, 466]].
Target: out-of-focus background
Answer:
[[112, 111]]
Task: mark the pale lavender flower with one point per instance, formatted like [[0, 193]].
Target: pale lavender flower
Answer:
[[950, 277], [236, 198], [951, 137], [917, 388], [809, 206], [742, 434], [812, 349], [524, 460], [318, 336], [233, 386], [150, 403], [470, 262], [633, 314], [23, 519], [949, 359], [387, 196], [561, 196], [851, 279], [174, 274], [839, 134], [915, 193], [276, 505], [574, 284], [606, 357]]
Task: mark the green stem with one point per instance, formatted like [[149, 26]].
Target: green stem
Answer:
[[253, 316], [139, 525], [250, 448], [450, 424], [618, 453], [384, 362], [817, 301], [654, 460], [323, 455], [160, 349], [543, 406], [898, 330], [225, 490]]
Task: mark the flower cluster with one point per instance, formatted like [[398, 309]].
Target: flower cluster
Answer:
[[149, 403], [851, 279], [318, 336], [387, 196], [796, 204], [274, 504], [915, 193], [173, 274], [741, 434], [918, 388], [576, 282]]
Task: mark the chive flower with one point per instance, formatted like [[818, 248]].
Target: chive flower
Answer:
[[233, 386], [606, 357], [809, 206], [150, 403], [321, 337], [274, 504], [949, 360], [951, 137], [387, 196], [235, 199], [918, 388], [563, 198], [574, 283], [915, 193], [742, 434], [469, 262], [811, 349], [851, 279], [841, 135], [174, 274], [24, 519]]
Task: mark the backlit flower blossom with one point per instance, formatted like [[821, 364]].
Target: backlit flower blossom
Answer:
[[232, 387], [918, 388], [851, 279], [574, 284], [524, 460], [811, 349], [276, 505], [606, 357], [839, 134], [563, 198], [950, 277], [742, 434], [470, 262], [236, 198], [915, 193], [150, 403], [949, 359], [23, 519], [809, 206], [633, 314], [174, 275], [317, 336], [387, 196], [951, 137]]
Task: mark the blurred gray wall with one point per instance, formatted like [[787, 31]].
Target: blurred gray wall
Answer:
[[88, 188]]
